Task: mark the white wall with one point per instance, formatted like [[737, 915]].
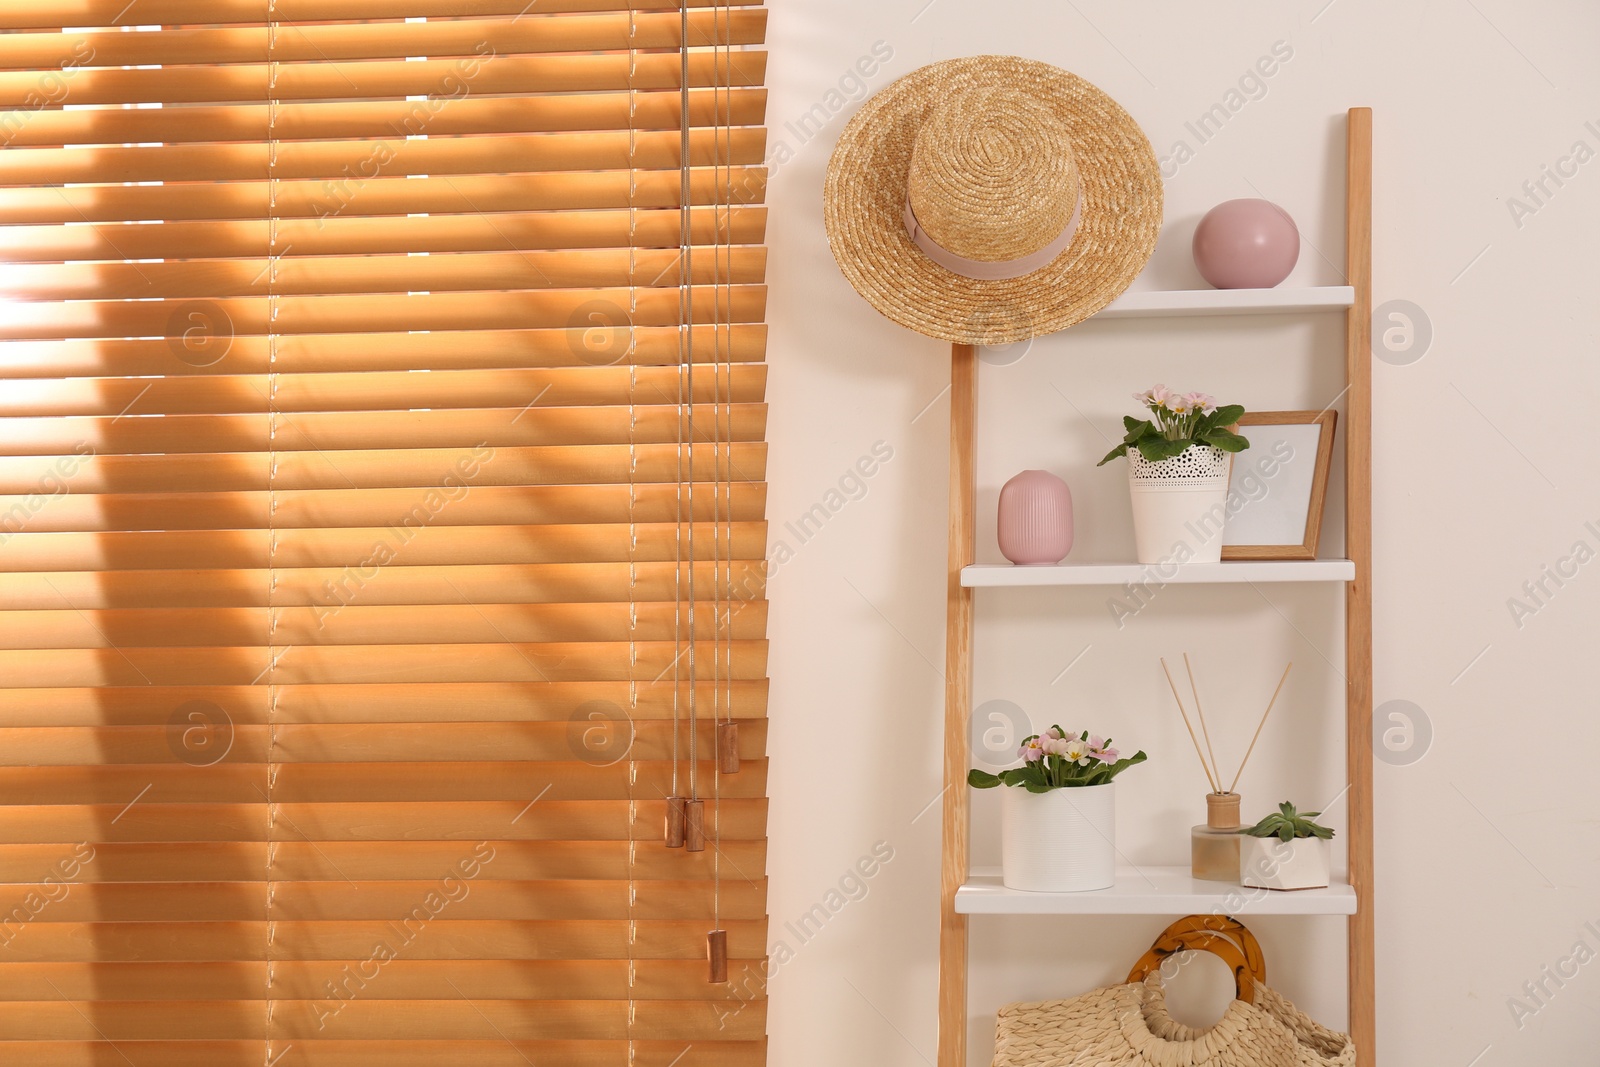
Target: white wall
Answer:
[[1488, 847]]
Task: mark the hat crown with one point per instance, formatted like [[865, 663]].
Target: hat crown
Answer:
[[992, 175]]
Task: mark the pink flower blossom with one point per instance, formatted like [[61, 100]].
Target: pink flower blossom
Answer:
[[1155, 396], [1201, 401], [1098, 749], [1032, 750]]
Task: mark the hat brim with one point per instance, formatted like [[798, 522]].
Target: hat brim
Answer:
[[864, 201]]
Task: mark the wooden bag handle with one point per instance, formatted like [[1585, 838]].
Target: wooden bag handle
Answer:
[[1231, 942]]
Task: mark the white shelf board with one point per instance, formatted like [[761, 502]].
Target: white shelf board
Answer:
[[1229, 302], [1151, 891], [1010, 574]]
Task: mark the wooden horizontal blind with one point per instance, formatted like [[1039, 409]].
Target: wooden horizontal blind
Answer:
[[343, 454]]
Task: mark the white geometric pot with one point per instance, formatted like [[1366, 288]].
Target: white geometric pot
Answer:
[[1272, 863], [1179, 501], [1062, 841]]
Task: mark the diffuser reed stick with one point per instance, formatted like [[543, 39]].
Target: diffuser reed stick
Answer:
[[1201, 712], [1263, 722], [1209, 777]]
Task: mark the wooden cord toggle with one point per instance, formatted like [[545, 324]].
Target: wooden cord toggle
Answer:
[[717, 955], [728, 747], [694, 825], [676, 819]]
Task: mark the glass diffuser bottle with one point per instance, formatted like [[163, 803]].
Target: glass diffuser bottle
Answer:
[[1214, 844]]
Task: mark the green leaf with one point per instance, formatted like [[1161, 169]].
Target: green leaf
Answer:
[[1097, 775], [1175, 448], [1015, 776], [1267, 827], [1227, 415], [1115, 453], [1123, 764], [1032, 788], [1156, 449], [982, 779], [1227, 442], [1287, 809], [1136, 428]]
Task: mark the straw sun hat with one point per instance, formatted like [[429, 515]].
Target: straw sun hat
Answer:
[[992, 199]]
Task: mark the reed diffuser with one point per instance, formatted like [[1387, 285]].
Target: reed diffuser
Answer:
[[1214, 844]]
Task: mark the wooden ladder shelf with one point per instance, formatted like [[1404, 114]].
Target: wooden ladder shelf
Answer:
[[1356, 297]]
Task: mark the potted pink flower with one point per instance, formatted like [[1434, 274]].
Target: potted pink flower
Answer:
[[1058, 818], [1178, 464]]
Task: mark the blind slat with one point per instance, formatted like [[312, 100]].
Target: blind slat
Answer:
[[48, 14], [400, 118], [379, 702], [334, 623], [329, 861], [362, 1053], [318, 430], [600, 338], [403, 979], [588, 820], [556, 387], [331, 236], [430, 546], [520, 661], [455, 939], [449, 473], [403, 78], [482, 38], [486, 505], [329, 276], [330, 509], [366, 165], [370, 314]]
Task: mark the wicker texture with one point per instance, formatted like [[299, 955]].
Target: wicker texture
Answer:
[[1128, 1026], [991, 152], [1001, 160]]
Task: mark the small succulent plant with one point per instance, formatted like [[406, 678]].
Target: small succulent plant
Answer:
[[1286, 824]]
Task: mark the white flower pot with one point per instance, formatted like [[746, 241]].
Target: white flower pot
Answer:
[[1062, 841], [1179, 505], [1272, 863]]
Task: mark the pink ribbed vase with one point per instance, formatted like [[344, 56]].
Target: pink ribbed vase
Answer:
[[1035, 524]]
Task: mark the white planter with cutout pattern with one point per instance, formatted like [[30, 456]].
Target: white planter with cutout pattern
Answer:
[[1179, 505]]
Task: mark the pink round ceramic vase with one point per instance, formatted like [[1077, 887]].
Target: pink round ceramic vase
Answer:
[[1035, 524], [1246, 244]]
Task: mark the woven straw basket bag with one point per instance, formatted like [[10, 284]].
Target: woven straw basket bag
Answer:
[[1128, 1025]]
